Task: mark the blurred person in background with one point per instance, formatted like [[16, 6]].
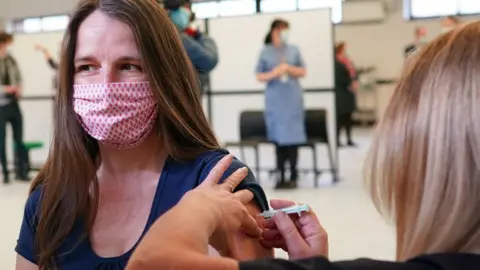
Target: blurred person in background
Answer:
[[449, 23], [280, 65], [419, 41], [10, 92], [51, 62], [200, 48], [346, 86]]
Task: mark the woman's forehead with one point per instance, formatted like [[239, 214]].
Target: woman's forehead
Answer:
[[100, 34]]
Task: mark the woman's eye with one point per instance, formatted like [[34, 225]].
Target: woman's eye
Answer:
[[85, 68], [131, 67]]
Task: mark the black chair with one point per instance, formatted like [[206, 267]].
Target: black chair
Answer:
[[253, 132], [316, 128]]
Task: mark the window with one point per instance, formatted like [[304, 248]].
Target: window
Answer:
[[224, 8], [417, 9], [237, 7], [469, 6], [32, 25], [55, 23], [425, 9], [39, 24], [335, 5], [206, 10], [267, 6]]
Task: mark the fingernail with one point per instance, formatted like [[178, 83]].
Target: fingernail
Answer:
[[244, 170]]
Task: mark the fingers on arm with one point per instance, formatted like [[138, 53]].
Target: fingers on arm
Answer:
[[217, 172], [250, 226], [235, 179], [244, 196]]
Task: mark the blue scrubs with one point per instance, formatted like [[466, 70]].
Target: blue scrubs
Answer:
[[284, 112], [176, 179]]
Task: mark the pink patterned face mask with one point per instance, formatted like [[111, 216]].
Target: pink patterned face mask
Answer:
[[120, 115]]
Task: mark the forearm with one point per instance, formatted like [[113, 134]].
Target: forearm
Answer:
[[266, 76], [243, 247], [169, 258], [297, 71], [160, 247]]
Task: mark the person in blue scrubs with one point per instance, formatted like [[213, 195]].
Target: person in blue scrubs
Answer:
[[280, 66], [130, 138]]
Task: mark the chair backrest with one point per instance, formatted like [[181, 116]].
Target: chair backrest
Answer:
[[316, 125], [252, 126]]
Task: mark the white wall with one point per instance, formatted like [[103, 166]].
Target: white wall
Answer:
[[12, 9], [382, 44]]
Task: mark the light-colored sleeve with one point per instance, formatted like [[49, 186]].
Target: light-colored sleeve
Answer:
[[299, 59], [262, 63]]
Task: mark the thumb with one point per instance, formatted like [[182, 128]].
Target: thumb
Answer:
[[293, 240]]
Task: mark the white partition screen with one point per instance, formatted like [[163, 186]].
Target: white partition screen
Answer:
[[240, 41], [37, 75]]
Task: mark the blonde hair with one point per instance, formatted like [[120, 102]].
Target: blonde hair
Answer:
[[423, 168]]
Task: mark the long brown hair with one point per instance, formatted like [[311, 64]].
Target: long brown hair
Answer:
[[424, 165], [68, 179]]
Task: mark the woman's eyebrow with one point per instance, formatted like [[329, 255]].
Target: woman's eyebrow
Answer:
[[129, 58], [87, 58]]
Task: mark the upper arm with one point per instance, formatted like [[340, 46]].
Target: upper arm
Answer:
[[26, 241], [261, 64], [243, 247], [203, 55], [299, 59], [18, 74], [342, 76], [249, 182], [240, 245]]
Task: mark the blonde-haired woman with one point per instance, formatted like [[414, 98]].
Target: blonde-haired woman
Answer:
[[423, 171]]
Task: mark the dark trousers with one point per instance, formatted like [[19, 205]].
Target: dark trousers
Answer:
[[284, 154], [344, 121], [11, 114]]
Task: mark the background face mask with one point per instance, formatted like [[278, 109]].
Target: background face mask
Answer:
[[181, 18], [120, 115], [284, 36]]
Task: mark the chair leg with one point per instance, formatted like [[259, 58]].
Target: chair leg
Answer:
[[242, 153], [257, 162], [315, 168], [332, 164]]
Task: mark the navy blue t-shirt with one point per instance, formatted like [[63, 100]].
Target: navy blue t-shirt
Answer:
[[176, 179]]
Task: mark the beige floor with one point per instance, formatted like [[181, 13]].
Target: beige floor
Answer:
[[355, 229]]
